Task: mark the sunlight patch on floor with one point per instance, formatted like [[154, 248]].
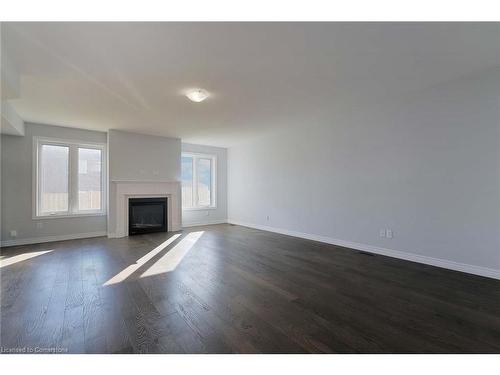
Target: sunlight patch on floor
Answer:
[[21, 257], [118, 278], [171, 260]]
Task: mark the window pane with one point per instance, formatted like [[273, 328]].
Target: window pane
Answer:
[[89, 179], [204, 181], [187, 181], [53, 176]]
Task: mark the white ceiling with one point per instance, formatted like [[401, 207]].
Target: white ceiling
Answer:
[[131, 76]]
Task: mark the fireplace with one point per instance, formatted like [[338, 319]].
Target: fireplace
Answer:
[[147, 215]]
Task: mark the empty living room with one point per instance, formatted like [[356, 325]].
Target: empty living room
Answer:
[[175, 187]]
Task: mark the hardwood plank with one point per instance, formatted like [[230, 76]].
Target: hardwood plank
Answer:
[[240, 290]]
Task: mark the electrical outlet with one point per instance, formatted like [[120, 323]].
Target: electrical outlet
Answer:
[[267, 217], [388, 233], [13, 233], [382, 233], [207, 213], [39, 225]]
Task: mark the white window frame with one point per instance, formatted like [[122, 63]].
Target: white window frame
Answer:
[[73, 146], [213, 195]]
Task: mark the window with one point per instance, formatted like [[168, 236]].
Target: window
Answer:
[[89, 179], [69, 178], [198, 181]]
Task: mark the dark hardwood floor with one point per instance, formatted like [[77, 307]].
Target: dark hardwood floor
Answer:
[[231, 289]]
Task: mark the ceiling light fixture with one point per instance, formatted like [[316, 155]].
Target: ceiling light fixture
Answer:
[[197, 95]]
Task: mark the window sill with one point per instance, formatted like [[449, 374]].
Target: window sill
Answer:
[[50, 217], [199, 208]]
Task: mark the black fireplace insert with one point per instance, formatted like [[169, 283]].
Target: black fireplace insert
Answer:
[[147, 215]]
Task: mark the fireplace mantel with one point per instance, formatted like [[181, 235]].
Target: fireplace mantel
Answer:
[[122, 190]]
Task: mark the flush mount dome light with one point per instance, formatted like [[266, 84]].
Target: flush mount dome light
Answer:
[[197, 95]]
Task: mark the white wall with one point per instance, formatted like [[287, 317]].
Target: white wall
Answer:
[[139, 157], [16, 191], [426, 166], [219, 214]]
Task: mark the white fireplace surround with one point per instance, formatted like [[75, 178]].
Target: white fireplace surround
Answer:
[[122, 191]]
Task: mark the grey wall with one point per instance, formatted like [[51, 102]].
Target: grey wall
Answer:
[[143, 157], [139, 157], [219, 214], [16, 191], [426, 166]]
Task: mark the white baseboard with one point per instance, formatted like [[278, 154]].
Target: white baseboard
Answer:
[[462, 267], [206, 222], [64, 237]]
